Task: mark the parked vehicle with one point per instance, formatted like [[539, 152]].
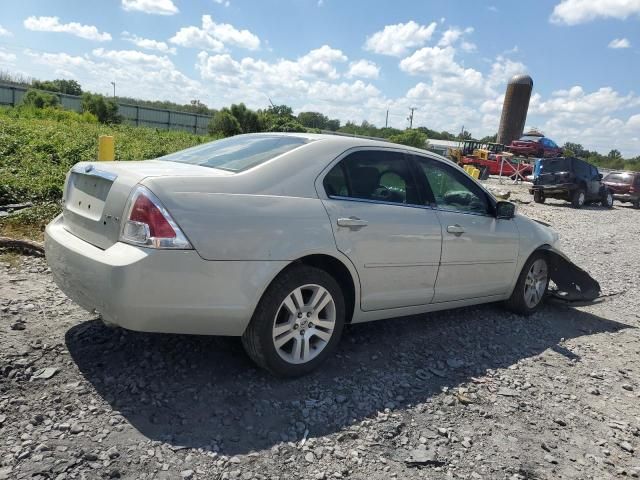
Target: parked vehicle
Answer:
[[493, 165], [535, 146], [284, 238], [625, 186], [570, 179]]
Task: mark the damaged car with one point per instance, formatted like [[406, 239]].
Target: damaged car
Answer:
[[282, 239]]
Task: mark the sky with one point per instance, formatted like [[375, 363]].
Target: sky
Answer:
[[353, 60]]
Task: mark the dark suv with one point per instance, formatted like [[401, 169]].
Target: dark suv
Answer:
[[570, 179], [625, 186]]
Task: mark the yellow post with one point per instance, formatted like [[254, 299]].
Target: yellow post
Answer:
[[475, 173], [106, 150], [466, 168]]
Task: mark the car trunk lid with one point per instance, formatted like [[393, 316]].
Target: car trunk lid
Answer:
[[96, 193]]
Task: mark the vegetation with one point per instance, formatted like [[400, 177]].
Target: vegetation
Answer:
[[412, 138], [69, 87], [37, 99], [105, 109], [38, 146], [613, 160]]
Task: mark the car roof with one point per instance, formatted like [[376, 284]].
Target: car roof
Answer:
[[345, 140]]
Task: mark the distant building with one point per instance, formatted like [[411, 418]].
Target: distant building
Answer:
[[514, 109]]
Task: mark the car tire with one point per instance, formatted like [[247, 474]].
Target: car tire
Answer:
[[531, 287], [538, 196], [636, 203], [607, 199], [578, 198], [285, 315]]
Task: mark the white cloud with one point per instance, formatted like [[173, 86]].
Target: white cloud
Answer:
[[155, 7], [573, 12], [226, 3], [7, 57], [52, 24], [363, 69], [214, 36], [4, 32], [452, 35], [137, 74], [148, 44], [619, 43], [396, 40]]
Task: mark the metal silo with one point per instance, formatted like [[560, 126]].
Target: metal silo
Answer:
[[514, 109]]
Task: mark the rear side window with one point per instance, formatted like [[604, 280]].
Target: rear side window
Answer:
[[237, 153], [555, 165], [376, 175], [622, 178]]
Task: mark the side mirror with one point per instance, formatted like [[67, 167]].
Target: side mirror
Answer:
[[505, 210], [600, 176]]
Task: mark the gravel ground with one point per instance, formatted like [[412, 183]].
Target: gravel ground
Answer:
[[470, 393]]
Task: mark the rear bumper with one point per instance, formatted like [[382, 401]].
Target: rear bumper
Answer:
[[624, 197], [561, 189], [169, 291]]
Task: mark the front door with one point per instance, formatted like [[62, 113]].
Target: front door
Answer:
[[479, 251], [380, 223]]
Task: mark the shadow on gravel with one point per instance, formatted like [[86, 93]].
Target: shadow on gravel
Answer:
[[203, 392]]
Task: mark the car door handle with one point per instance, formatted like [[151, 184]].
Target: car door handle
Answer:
[[352, 222], [455, 229]]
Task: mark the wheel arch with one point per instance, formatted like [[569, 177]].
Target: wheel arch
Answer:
[[340, 272]]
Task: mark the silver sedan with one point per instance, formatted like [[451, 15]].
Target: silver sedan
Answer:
[[282, 239]]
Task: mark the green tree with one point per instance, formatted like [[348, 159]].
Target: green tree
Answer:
[[614, 154], [464, 135], [225, 124], [574, 150], [249, 120], [490, 138], [313, 120], [282, 124], [106, 109], [37, 99], [70, 87], [410, 137], [333, 125]]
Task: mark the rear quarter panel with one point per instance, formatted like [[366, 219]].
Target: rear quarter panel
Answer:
[[224, 226]]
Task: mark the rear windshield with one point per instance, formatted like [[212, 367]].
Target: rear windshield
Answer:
[[555, 165], [237, 153], [529, 138], [624, 178]]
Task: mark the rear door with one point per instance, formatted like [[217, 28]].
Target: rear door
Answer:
[[380, 222], [479, 251]]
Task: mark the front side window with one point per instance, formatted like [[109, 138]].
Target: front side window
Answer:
[[451, 189], [373, 175]]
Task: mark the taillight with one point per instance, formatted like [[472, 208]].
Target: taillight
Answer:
[[146, 222]]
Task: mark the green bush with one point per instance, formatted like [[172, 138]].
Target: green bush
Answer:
[[412, 138], [38, 99], [225, 124], [37, 150], [105, 109]]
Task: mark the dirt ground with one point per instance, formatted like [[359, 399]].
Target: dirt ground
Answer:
[[471, 393]]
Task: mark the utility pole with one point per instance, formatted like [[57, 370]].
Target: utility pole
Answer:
[[114, 89], [410, 118], [386, 122]]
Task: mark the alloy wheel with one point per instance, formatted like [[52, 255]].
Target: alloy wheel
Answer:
[[304, 324], [535, 284]]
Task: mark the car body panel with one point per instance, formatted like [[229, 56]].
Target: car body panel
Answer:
[[625, 186], [397, 253], [157, 290], [479, 262]]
